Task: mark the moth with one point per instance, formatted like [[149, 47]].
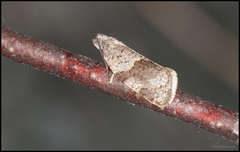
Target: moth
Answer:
[[154, 82]]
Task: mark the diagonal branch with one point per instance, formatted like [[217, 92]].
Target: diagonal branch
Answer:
[[194, 110]]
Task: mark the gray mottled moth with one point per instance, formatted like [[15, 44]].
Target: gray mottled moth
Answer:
[[154, 82]]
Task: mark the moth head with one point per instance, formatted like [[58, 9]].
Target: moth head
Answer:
[[100, 40]]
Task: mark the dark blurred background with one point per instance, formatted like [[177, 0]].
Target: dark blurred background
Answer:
[[42, 111]]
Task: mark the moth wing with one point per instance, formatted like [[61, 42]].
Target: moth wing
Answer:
[[155, 83]]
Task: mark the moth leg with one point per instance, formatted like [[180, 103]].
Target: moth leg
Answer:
[[108, 72], [107, 67], [111, 78]]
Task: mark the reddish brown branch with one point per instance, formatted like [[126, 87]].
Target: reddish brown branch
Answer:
[[83, 70]]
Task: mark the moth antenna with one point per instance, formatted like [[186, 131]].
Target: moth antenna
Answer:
[[4, 23]]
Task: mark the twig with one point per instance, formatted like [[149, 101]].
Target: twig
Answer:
[[194, 110]]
